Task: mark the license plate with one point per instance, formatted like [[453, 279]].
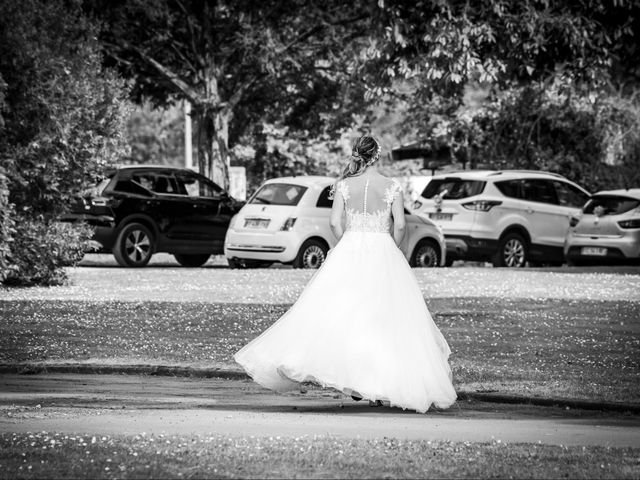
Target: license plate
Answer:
[[256, 223], [441, 216], [594, 251]]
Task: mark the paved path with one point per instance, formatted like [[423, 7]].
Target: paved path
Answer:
[[119, 404]]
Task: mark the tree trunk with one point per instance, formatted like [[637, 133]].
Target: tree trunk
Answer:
[[213, 144]]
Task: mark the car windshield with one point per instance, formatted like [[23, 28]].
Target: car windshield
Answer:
[[279, 194], [453, 188], [610, 205]]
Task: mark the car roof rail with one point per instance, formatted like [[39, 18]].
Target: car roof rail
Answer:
[[538, 172]]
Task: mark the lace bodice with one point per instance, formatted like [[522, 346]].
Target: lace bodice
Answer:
[[378, 221]]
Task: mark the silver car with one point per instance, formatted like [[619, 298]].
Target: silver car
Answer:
[[606, 230]]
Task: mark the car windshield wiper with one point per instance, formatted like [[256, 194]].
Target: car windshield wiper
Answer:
[[261, 200]]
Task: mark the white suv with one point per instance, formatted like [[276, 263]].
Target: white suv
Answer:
[[508, 217]]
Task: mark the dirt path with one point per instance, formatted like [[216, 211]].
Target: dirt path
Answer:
[[119, 404]]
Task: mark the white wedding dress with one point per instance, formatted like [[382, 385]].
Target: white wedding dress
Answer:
[[361, 325]]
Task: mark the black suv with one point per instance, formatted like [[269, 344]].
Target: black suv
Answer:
[[140, 210]]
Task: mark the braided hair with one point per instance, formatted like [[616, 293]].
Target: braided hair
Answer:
[[364, 152]]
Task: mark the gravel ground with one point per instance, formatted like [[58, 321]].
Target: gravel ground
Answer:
[[100, 280]]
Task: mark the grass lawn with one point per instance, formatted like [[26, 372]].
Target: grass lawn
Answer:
[[46, 455], [578, 349]]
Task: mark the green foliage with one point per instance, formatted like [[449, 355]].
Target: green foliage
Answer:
[[279, 152], [7, 224], [39, 250], [241, 64], [155, 136], [64, 112], [62, 124], [444, 45], [592, 138]]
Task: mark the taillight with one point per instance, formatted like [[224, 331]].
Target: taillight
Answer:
[[288, 225], [573, 221], [103, 202], [100, 202], [635, 223], [481, 205]]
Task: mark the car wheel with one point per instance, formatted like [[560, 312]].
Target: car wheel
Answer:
[[312, 254], [192, 260], [426, 254], [512, 251], [134, 246]]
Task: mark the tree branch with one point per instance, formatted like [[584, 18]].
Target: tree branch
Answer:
[[178, 83], [192, 33]]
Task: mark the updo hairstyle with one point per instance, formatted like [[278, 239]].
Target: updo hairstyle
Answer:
[[364, 152]]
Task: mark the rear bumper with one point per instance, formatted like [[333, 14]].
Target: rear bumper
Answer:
[[622, 248], [273, 247], [104, 227], [465, 247]]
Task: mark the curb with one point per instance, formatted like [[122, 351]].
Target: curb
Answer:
[[227, 374], [126, 369]]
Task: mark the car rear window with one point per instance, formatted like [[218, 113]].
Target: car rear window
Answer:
[[456, 188], [144, 182], [98, 188], [279, 194], [610, 204]]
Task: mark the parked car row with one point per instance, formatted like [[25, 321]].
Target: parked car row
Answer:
[[511, 218], [514, 218]]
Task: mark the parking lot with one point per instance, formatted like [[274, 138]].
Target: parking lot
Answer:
[[99, 278]]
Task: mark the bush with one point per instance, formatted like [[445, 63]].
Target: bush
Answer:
[[61, 122], [6, 226], [39, 250]]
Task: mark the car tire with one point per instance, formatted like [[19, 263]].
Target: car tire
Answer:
[[312, 254], [192, 260], [134, 246], [513, 251], [425, 255]]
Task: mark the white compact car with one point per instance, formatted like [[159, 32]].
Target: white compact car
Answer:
[[508, 217], [607, 230], [287, 221]]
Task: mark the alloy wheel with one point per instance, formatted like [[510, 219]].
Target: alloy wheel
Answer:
[[513, 252], [313, 257], [137, 246], [426, 256]]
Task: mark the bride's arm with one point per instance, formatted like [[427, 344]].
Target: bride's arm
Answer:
[[337, 211], [399, 222]]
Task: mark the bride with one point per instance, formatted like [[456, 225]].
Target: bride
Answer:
[[361, 325]]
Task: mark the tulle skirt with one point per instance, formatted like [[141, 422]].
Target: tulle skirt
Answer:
[[360, 326]]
